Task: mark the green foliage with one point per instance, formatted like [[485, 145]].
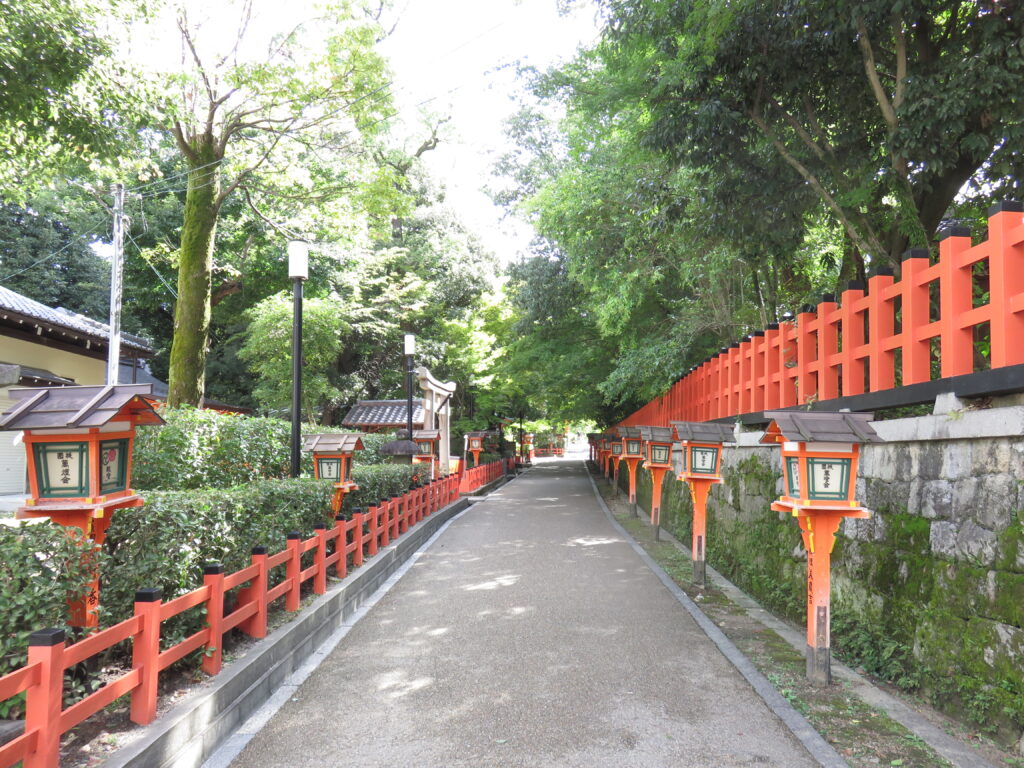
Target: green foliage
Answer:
[[377, 482], [268, 350], [41, 569], [64, 99], [44, 259], [199, 448]]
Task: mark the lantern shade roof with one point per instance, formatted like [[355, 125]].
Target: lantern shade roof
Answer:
[[480, 433], [657, 434], [78, 407], [629, 432], [426, 434], [704, 432], [593, 436], [820, 427], [332, 443]]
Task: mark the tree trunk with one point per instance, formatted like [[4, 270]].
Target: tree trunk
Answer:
[[187, 376]]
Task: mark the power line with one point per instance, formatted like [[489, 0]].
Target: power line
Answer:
[[53, 255], [160, 277]]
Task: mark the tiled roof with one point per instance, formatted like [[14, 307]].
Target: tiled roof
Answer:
[[383, 413], [820, 427], [332, 442], [90, 406], [704, 432], [62, 318], [657, 434]]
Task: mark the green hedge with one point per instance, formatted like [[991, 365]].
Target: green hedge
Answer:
[[206, 449], [41, 568]]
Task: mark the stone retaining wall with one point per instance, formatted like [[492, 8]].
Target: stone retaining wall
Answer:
[[929, 592]]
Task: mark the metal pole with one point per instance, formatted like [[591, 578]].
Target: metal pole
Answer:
[[408, 393], [296, 373], [116, 274]]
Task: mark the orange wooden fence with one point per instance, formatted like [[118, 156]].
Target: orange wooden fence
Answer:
[[960, 315], [42, 678]]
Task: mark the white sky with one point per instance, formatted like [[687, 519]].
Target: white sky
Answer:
[[458, 54]]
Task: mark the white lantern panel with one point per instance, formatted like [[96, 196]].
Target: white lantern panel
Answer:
[[61, 469], [329, 469], [828, 479], [703, 461]]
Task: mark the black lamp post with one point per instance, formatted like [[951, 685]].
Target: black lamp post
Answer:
[[298, 271], [410, 350]]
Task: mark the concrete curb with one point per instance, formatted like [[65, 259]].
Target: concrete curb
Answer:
[[805, 733], [192, 730]]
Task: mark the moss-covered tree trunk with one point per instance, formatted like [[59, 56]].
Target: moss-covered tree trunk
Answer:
[[187, 376]]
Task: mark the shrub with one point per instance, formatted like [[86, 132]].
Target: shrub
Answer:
[[206, 449], [378, 481], [41, 569]]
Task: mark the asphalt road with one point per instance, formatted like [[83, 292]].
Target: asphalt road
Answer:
[[529, 634]]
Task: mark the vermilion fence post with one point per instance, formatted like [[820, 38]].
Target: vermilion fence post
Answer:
[[1006, 282], [406, 518], [384, 509], [758, 385], [357, 535], [772, 364], [955, 285], [396, 516], [256, 625], [146, 656], [320, 559], [43, 701], [828, 348], [806, 360], [342, 526], [213, 580], [915, 314], [853, 339], [292, 570], [788, 370], [373, 528], [881, 329]]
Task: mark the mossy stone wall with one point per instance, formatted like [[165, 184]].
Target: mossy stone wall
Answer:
[[928, 593]]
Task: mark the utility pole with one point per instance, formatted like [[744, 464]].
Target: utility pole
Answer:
[[116, 281]]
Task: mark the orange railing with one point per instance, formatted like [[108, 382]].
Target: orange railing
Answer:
[[479, 476], [935, 322], [42, 678]]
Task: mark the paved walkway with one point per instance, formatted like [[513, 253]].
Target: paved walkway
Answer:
[[529, 634]]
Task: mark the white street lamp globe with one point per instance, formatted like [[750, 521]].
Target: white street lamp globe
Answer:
[[298, 260]]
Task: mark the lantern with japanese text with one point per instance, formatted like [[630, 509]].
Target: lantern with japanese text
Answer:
[[475, 445], [79, 444], [427, 441], [616, 460], [657, 460], [632, 454], [332, 460], [820, 452], [700, 467]]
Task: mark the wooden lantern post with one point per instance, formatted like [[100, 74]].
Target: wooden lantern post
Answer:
[[79, 442], [528, 447], [820, 453], [427, 441], [700, 468], [658, 460], [616, 460], [475, 445], [593, 441], [633, 454], [332, 460]]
